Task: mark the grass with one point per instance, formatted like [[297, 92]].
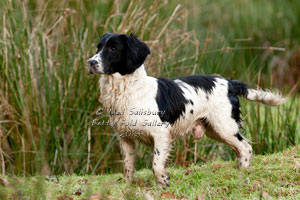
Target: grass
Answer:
[[273, 176], [48, 100]]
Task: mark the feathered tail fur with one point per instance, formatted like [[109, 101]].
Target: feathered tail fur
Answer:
[[259, 95]]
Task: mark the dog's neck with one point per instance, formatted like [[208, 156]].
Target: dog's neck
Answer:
[[117, 78], [117, 87], [138, 73]]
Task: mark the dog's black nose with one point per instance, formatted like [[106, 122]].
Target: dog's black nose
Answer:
[[92, 62]]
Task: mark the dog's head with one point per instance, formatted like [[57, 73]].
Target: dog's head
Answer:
[[118, 53]]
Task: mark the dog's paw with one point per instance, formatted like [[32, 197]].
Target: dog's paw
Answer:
[[163, 186], [163, 181], [244, 162], [128, 175]]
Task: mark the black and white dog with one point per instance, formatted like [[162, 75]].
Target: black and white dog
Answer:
[[156, 110]]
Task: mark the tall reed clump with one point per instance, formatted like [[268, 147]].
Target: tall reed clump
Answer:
[[48, 100]]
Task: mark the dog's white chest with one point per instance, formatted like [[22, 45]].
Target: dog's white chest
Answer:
[[129, 102]]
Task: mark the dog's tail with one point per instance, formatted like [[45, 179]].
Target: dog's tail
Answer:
[[262, 96]]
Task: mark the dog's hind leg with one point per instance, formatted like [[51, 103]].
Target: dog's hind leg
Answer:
[[162, 147], [226, 130], [128, 151], [248, 147]]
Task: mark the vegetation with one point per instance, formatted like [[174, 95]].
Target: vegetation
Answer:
[[48, 100], [273, 176]]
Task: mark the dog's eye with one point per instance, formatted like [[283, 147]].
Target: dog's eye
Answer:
[[112, 48]]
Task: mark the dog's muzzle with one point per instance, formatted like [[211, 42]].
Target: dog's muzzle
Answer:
[[92, 65]]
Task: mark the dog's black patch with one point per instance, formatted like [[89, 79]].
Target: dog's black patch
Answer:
[[137, 52], [157, 151], [180, 84], [236, 88], [205, 122], [240, 88], [192, 102], [170, 99], [121, 53], [207, 98], [234, 100], [192, 112], [204, 82], [239, 136]]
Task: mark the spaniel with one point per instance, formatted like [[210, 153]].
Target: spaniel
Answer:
[[154, 111]]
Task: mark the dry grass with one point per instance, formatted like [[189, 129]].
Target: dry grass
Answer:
[[44, 48]]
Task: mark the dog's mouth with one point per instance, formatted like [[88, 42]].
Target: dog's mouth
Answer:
[[93, 70]]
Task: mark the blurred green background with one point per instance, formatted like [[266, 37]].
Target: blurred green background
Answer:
[[48, 100]]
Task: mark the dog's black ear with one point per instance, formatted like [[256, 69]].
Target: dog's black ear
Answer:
[[105, 36], [137, 52]]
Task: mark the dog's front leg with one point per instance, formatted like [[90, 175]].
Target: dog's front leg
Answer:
[[162, 146], [128, 151]]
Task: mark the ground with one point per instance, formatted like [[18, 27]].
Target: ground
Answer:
[[274, 176]]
